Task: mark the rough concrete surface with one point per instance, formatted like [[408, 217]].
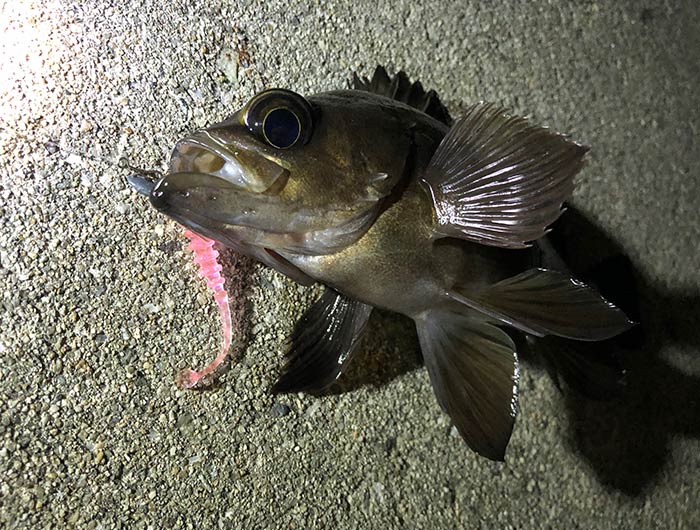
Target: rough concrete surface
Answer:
[[101, 304]]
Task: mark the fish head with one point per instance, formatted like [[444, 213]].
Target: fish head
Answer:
[[286, 174]]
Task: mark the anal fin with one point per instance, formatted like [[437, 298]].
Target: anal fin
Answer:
[[545, 302], [473, 368]]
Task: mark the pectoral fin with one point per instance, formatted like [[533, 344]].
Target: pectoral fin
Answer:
[[473, 368], [544, 302], [322, 343], [498, 180]]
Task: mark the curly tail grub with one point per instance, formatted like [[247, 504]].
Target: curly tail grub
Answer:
[[206, 257]]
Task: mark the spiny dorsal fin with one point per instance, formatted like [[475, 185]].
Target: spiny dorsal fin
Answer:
[[401, 89]]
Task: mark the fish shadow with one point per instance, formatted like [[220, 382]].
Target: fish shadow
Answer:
[[626, 440], [624, 437]]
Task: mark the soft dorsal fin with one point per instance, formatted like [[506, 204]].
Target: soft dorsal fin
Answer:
[[401, 89], [498, 180]]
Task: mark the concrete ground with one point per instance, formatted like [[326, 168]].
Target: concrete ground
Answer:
[[101, 304]]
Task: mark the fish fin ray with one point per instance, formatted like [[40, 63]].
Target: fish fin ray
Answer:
[[400, 88], [322, 343], [498, 180], [473, 368], [545, 302]]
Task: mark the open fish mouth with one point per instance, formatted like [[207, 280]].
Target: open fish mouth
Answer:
[[214, 207], [207, 153], [204, 153]]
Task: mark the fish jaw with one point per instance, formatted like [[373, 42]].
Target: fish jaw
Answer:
[[216, 152], [199, 200]]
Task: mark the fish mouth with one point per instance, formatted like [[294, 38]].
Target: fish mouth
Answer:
[[203, 226], [208, 153], [238, 217], [223, 234]]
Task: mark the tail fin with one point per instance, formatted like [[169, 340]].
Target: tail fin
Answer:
[[473, 368], [544, 302]]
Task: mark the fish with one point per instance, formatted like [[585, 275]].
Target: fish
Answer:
[[376, 193]]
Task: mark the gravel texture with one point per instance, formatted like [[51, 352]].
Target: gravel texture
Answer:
[[101, 304]]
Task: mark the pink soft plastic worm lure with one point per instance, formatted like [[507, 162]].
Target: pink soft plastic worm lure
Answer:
[[206, 257]]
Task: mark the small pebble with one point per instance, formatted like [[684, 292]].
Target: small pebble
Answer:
[[279, 409], [51, 147]]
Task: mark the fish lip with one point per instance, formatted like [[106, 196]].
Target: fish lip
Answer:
[[209, 153], [185, 158], [183, 183]]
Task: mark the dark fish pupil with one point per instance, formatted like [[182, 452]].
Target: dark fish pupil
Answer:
[[281, 128]]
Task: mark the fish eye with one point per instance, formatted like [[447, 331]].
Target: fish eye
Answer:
[[281, 118], [281, 128]]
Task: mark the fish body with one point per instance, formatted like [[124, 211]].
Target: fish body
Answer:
[[396, 266], [376, 194]]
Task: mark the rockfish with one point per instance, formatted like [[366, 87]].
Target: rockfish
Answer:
[[377, 194]]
